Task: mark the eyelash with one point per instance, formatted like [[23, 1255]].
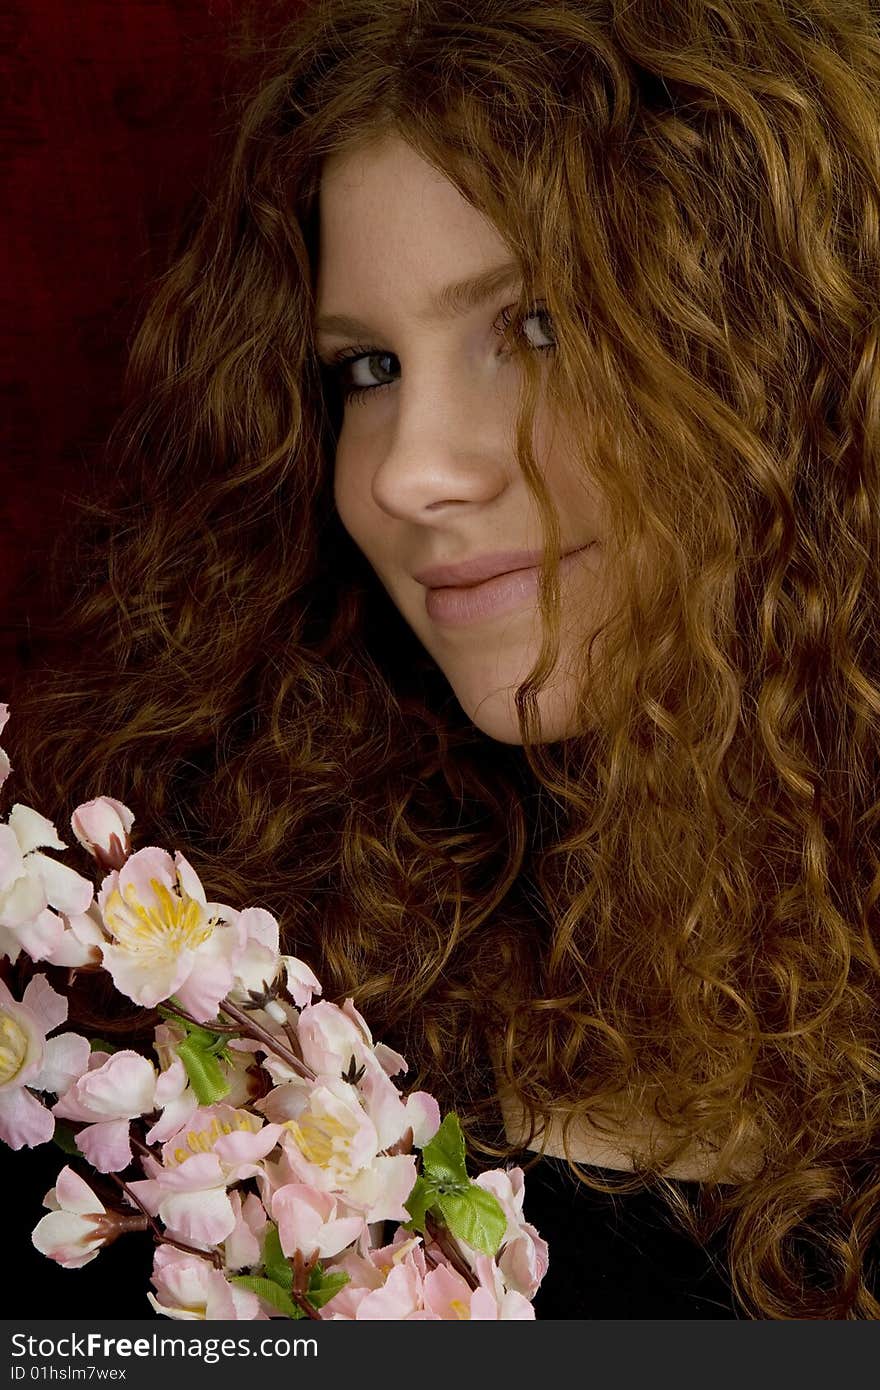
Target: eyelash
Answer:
[[334, 370]]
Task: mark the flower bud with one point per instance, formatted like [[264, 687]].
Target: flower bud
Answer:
[[102, 827], [78, 1224]]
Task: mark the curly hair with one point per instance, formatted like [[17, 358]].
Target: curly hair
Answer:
[[676, 909]]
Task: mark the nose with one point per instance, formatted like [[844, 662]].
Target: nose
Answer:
[[449, 444]]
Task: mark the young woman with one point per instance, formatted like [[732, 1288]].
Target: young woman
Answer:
[[490, 590]]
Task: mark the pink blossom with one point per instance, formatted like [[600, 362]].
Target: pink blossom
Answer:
[[113, 1092], [190, 1289], [393, 1117], [451, 1298], [492, 1300], [401, 1298], [32, 884], [330, 1036], [177, 1100], [29, 1061], [335, 1042], [188, 1189], [102, 827], [448, 1295], [333, 1145], [78, 1225], [309, 1221], [384, 1284], [166, 938], [242, 1248], [524, 1256], [257, 965], [302, 982], [395, 1283], [80, 941]]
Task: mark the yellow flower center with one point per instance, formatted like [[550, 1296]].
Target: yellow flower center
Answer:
[[202, 1141], [172, 924], [323, 1140], [14, 1042]]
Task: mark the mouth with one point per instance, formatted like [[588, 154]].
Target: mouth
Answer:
[[466, 602], [478, 568]]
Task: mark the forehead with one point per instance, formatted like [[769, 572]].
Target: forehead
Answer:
[[389, 219]]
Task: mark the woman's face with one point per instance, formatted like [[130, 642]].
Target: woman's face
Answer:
[[426, 474]]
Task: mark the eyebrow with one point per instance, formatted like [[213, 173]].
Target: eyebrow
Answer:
[[447, 303]]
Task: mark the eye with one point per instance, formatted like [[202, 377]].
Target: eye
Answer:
[[341, 368], [536, 312], [340, 372]]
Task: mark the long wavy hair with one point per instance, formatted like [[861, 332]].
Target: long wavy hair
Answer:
[[674, 912]]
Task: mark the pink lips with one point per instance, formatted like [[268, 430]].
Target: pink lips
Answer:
[[486, 586]]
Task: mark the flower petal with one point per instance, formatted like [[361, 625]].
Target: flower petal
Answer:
[[74, 1194], [122, 1087], [11, 858], [42, 936], [32, 830], [23, 902], [48, 1007], [144, 982], [71, 1240], [107, 1146], [189, 880], [24, 1122], [204, 1217], [65, 1059], [66, 890]]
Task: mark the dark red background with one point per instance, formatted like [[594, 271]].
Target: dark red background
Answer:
[[107, 112], [108, 109]]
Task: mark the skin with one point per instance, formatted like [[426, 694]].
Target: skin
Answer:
[[426, 469]]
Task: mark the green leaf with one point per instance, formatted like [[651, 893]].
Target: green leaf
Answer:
[[275, 1261], [418, 1204], [443, 1156], [102, 1045], [63, 1137], [323, 1286], [206, 1076], [475, 1217], [272, 1293], [204, 1035]]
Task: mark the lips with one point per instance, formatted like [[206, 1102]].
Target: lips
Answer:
[[464, 604], [478, 568]]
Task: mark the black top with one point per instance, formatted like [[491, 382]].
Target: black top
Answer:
[[610, 1256], [620, 1256]]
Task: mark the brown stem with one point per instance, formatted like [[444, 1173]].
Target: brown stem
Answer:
[[301, 1269], [188, 1018], [141, 1147], [445, 1242], [308, 1308], [123, 1222], [250, 1027], [212, 1255]]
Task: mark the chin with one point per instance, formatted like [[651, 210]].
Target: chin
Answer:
[[495, 715]]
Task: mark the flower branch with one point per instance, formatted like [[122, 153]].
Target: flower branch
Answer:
[[272, 1152]]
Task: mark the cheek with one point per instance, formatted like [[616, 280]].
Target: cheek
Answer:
[[358, 511], [347, 490]]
